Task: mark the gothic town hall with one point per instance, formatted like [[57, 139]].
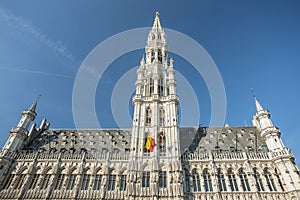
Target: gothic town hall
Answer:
[[155, 159]]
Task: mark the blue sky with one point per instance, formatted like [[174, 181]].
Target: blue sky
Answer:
[[254, 45]]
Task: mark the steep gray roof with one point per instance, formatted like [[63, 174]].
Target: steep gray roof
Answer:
[[104, 140], [201, 139], [204, 139]]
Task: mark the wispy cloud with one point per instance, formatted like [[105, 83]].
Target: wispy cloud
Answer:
[[36, 72], [27, 27], [24, 70]]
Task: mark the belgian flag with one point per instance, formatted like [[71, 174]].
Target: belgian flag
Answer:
[[150, 143]]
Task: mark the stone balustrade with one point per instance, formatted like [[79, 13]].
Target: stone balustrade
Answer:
[[188, 156], [67, 156]]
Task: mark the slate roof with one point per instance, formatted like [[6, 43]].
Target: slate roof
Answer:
[[201, 139]]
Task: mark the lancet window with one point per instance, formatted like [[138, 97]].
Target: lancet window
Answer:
[[159, 56], [9, 181], [221, 181], [34, 181], [279, 180], [232, 181], [186, 181], [97, 183], [196, 181], [123, 183], [207, 181], [46, 179], [162, 116], [152, 56], [148, 116], [269, 180], [258, 181], [85, 181], [111, 182], [146, 179], [20, 181], [60, 180], [161, 87], [244, 180], [162, 179]]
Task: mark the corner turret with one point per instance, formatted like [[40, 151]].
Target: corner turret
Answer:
[[19, 134], [262, 120]]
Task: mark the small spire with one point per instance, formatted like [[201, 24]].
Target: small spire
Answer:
[[142, 61], [156, 23], [257, 104], [34, 104], [171, 62]]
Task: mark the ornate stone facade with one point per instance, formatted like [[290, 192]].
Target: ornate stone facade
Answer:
[[205, 163]]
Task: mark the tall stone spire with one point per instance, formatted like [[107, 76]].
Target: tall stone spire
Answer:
[[155, 116], [258, 105]]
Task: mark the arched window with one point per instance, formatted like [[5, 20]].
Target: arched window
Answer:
[[98, 180], [162, 179], [148, 116], [244, 180], [151, 86], [162, 143], [146, 179], [123, 182], [86, 180], [71, 180], [152, 55], [270, 180], [112, 182], [46, 179], [9, 181], [221, 181], [258, 181], [232, 180], [147, 90], [20, 179], [60, 180], [162, 116], [161, 87], [186, 181], [207, 181], [159, 36], [159, 56], [34, 181], [279, 180], [196, 181]]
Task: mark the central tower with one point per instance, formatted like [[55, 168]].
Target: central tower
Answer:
[[155, 168]]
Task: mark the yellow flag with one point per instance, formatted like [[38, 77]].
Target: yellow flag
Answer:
[[148, 142]]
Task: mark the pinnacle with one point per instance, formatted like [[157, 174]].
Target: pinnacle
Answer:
[[156, 23], [257, 104], [34, 104]]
